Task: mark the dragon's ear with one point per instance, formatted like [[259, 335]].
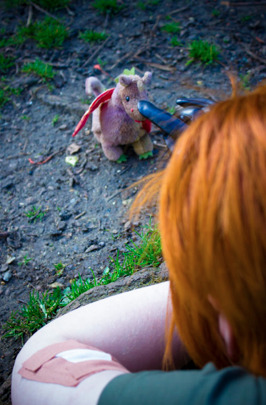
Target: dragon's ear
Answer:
[[147, 78], [125, 80]]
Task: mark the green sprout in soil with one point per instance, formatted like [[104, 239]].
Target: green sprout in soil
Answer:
[[55, 119], [41, 308], [107, 6], [59, 268], [5, 63], [141, 5], [175, 42], [6, 92], [245, 80], [245, 19], [172, 27], [35, 214], [202, 51], [46, 4], [39, 68], [215, 13], [144, 4], [25, 261], [92, 36]]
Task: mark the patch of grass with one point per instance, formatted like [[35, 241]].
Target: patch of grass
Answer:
[[41, 308], [203, 52], [245, 81], [92, 36], [171, 28], [46, 4], [141, 5], [25, 117], [48, 33], [147, 252], [175, 42], [245, 19], [39, 68], [35, 214], [144, 4], [3, 97], [6, 92], [215, 13], [101, 62], [6, 62], [107, 6], [17, 39]]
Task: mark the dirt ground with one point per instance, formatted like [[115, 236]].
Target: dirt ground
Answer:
[[85, 206]]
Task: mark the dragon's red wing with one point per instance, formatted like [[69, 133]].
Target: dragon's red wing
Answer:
[[102, 98]]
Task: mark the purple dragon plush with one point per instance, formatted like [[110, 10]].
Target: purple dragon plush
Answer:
[[116, 120]]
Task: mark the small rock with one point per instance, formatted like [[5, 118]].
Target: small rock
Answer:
[[55, 232], [92, 167], [10, 259], [65, 215], [61, 225], [92, 248], [56, 285], [3, 268], [127, 226], [101, 244], [63, 127], [59, 81], [73, 148], [8, 183], [7, 276]]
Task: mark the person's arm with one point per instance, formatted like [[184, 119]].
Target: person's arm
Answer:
[[129, 326]]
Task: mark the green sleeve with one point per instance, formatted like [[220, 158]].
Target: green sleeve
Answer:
[[208, 386]]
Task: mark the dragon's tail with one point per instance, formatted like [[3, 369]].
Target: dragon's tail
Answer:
[[93, 86]]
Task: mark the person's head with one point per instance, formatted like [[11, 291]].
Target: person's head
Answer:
[[212, 216]]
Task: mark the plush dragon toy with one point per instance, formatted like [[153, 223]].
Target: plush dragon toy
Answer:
[[116, 120]]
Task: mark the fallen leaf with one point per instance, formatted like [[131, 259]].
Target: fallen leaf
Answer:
[[73, 148], [56, 285]]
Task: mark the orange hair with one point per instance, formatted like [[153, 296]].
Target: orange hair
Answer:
[[212, 216]]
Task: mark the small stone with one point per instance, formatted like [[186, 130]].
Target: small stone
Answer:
[[7, 276], [56, 284], [92, 167], [61, 225], [10, 259], [3, 268], [55, 232], [73, 148], [101, 244], [127, 226], [7, 183], [65, 215], [92, 248]]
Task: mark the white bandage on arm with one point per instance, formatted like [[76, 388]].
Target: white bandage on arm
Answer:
[[67, 363]]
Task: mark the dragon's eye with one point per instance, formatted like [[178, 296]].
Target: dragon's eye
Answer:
[[127, 98]]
